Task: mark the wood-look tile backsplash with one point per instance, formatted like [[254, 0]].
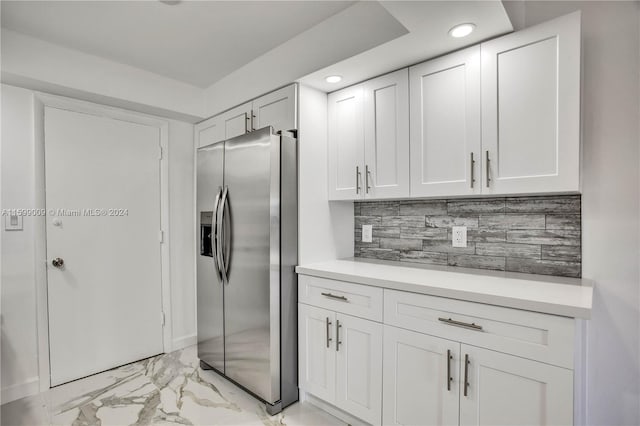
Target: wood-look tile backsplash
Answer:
[[536, 235]]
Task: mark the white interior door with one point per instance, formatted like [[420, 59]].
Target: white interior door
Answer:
[[105, 302]]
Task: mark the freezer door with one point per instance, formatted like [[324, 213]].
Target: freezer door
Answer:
[[252, 326], [210, 297]]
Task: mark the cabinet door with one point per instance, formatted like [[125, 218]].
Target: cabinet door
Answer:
[[386, 136], [276, 109], [209, 131], [359, 367], [236, 121], [317, 356], [416, 370], [531, 109], [445, 125], [346, 144], [509, 390]]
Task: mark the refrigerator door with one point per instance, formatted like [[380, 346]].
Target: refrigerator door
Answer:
[[252, 295], [210, 297]]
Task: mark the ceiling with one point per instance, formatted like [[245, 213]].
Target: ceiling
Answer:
[[428, 24], [196, 42]]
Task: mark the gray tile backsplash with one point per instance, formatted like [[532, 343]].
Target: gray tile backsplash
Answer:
[[535, 235]]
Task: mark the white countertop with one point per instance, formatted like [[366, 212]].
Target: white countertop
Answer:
[[569, 297]]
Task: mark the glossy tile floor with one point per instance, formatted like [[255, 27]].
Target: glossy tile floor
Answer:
[[168, 389]]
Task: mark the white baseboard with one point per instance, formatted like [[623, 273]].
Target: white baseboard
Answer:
[[20, 390], [331, 409], [184, 341]]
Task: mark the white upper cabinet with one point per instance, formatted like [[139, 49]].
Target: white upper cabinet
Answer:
[[445, 125], [369, 139], [531, 109], [236, 121], [346, 144], [497, 388], [276, 109], [209, 131], [386, 136]]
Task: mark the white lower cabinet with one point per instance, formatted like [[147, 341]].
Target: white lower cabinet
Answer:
[[420, 379], [508, 390], [316, 354], [432, 360], [485, 387], [340, 361]]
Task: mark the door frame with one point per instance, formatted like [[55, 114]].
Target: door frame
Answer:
[[42, 100]]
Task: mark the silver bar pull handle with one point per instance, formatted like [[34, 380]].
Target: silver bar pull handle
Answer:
[[472, 326], [246, 123], [449, 378], [253, 116], [488, 168], [338, 341], [473, 163], [222, 233], [466, 373], [333, 296], [358, 180], [367, 174], [214, 235], [328, 331]]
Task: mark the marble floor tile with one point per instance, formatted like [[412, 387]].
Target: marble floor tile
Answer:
[[169, 389]]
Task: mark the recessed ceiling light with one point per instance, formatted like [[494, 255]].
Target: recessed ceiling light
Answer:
[[333, 79], [461, 30]]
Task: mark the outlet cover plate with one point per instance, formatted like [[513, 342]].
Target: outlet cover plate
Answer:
[[459, 236], [367, 233]]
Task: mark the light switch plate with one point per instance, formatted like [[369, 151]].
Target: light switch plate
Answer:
[[459, 236], [367, 233], [13, 223]]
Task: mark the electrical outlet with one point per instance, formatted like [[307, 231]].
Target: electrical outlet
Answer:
[[459, 236], [367, 233]]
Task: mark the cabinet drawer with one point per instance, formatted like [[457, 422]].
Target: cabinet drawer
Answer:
[[542, 337], [340, 296]]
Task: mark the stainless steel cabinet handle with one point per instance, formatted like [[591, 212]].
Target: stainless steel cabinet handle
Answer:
[[333, 296], [246, 123], [472, 325], [338, 327], [328, 331], [214, 235], [473, 163], [367, 174], [466, 373], [253, 116], [58, 262], [357, 180], [488, 168], [449, 378]]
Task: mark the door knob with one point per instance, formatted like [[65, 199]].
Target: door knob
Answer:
[[57, 262]]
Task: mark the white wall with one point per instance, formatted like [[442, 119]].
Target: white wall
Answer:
[[18, 294], [182, 233], [18, 327], [37, 64], [327, 227], [610, 202]]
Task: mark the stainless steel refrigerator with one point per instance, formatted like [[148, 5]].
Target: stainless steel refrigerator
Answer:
[[247, 214]]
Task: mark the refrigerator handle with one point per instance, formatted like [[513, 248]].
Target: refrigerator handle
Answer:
[[214, 234], [222, 234]]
